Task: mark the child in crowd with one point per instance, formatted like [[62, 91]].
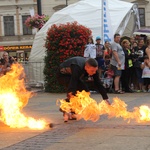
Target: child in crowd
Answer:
[[146, 73], [108, 78], [90, 50], [100, 49], [108, 72]]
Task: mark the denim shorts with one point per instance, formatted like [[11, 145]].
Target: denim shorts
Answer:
[[116, 71]]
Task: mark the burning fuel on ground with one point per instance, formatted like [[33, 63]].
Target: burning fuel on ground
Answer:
[[13, 97], [87, 108]]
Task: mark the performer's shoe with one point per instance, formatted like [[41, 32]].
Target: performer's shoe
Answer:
[[72, 116], [69, 116]]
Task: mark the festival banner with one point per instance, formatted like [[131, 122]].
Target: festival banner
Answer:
[[107, 33]]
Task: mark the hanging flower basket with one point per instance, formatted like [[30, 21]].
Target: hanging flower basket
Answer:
[[36, 21]]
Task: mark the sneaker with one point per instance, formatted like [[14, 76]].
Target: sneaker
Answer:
[[138, 91], [148, 91], [72, 116], [144, 91]]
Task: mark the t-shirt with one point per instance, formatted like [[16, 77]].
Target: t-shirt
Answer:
[[99, 50], [90, 51], [117, 47], [146, 72]]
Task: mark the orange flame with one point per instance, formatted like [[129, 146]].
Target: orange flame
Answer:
[[87, 108], [13, 97]]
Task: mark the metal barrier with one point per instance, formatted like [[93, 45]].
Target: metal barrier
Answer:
[[34, 73]]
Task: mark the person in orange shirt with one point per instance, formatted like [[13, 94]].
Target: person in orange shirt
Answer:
[[108, 50]]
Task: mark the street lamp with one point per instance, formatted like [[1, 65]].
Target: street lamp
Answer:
[[66, 2], [39, 8]]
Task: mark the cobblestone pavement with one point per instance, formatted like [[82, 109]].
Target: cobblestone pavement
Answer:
[[105, 134]]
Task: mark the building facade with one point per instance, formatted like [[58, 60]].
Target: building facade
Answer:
[[17, 39], [51, 6], [144, 12]]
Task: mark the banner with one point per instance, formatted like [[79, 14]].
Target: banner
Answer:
[[107, 33]]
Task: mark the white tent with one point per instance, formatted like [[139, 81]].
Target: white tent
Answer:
[[124, 19]]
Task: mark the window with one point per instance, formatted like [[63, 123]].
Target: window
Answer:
[[26, 30], [8, 25], [142, 16]]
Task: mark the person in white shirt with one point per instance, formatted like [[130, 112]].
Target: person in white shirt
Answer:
[[90, 50], [117, 62]]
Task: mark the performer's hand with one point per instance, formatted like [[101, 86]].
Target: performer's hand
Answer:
[[107, 101], [69, 95]]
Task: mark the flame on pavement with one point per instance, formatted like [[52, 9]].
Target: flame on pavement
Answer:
[[13, 97], [87, 108]]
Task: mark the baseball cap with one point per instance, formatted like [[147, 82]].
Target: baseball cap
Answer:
[[98, 38]]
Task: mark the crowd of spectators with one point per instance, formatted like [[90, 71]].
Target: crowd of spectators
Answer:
[[127, 57]]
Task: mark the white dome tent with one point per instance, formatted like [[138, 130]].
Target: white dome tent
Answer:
[[124, 20]]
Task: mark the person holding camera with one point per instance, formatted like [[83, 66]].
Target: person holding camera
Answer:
[[5, 62]]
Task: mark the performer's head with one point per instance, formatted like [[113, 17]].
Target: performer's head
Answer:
[[91, 66]]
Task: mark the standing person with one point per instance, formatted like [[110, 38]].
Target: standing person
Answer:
[[100, 55], [128, 71], [108, 50], [6, 61], [72, 72], [133, 47], [132, 41], [108, 78], [134, 80], [90, 50], [145, 66], [141, 49], [117, 62], [140, 52]]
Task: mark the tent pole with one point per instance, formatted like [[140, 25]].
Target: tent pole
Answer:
[[102, 21]]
